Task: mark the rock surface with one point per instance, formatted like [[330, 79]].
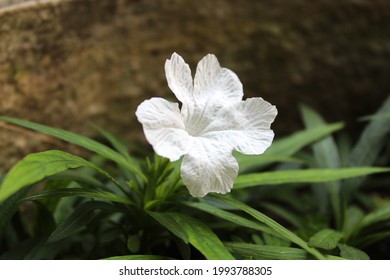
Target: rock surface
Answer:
[[69, 63]]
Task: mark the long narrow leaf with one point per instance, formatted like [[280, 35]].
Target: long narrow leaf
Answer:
[[9, 207], [194, 232], [80, 217], [35, 167], [231, 217], [304, 176], [370, 143], [266, 252], [79, 140], [326, 155], [271, 223], [80, 192]]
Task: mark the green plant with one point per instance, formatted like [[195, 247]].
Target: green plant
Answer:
[[309, 196]]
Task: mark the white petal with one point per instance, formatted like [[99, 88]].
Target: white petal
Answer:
[[208, 167], [215, 84], [179, 78], [164, 127], [245, 126]]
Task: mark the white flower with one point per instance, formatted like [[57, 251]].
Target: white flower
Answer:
[[212, 122]]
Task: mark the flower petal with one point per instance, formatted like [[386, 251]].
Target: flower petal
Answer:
[[164, 127], [179, 78], [215, 84], [244, 126], [208, 167]]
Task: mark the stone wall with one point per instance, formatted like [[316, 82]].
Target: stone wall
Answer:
[[70, 63]]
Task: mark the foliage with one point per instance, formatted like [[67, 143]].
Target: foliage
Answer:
[[311, 195]]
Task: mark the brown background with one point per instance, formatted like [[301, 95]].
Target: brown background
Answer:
[[70, 63]]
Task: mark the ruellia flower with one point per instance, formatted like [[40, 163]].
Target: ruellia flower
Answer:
[[210, 122]]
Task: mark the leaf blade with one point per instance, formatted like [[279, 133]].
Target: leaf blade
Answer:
[[304, 176], [79, 140], [327, 239], [194, 232]]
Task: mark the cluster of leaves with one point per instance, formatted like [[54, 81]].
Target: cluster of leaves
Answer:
[[308, 197]]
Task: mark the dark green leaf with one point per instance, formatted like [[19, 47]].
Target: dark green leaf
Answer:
[[370, 143], [80, 217], [352, 220], [380, 215], [80, 192], [352, 253], [195, 232], [9, 207], [133, 243], [326, 155], [282, 231], [265, 252], [229, 216], [327, 239]]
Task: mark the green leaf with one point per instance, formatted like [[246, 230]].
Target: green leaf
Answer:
[[352, 253], [79, 140], [304, 176], [193, 231], [353, 218], [79, 192], [265, 252], [229, 216], [133, 243], [326, 155], [80, 217], [283, 149], [272, 240], [138, 257], [379, 215], [370, 143], [327, 239], [35, 167], [369, 239], [325, 150], [282, 231], [9, 207]]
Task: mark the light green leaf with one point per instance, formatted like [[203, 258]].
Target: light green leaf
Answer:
[[35, 167], [282, 231], [352, 253], [79, 140], [304, 176], [327, 239], [265, 252], [194, 232], [284, 148]]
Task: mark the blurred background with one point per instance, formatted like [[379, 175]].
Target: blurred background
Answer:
[[71, 63]]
